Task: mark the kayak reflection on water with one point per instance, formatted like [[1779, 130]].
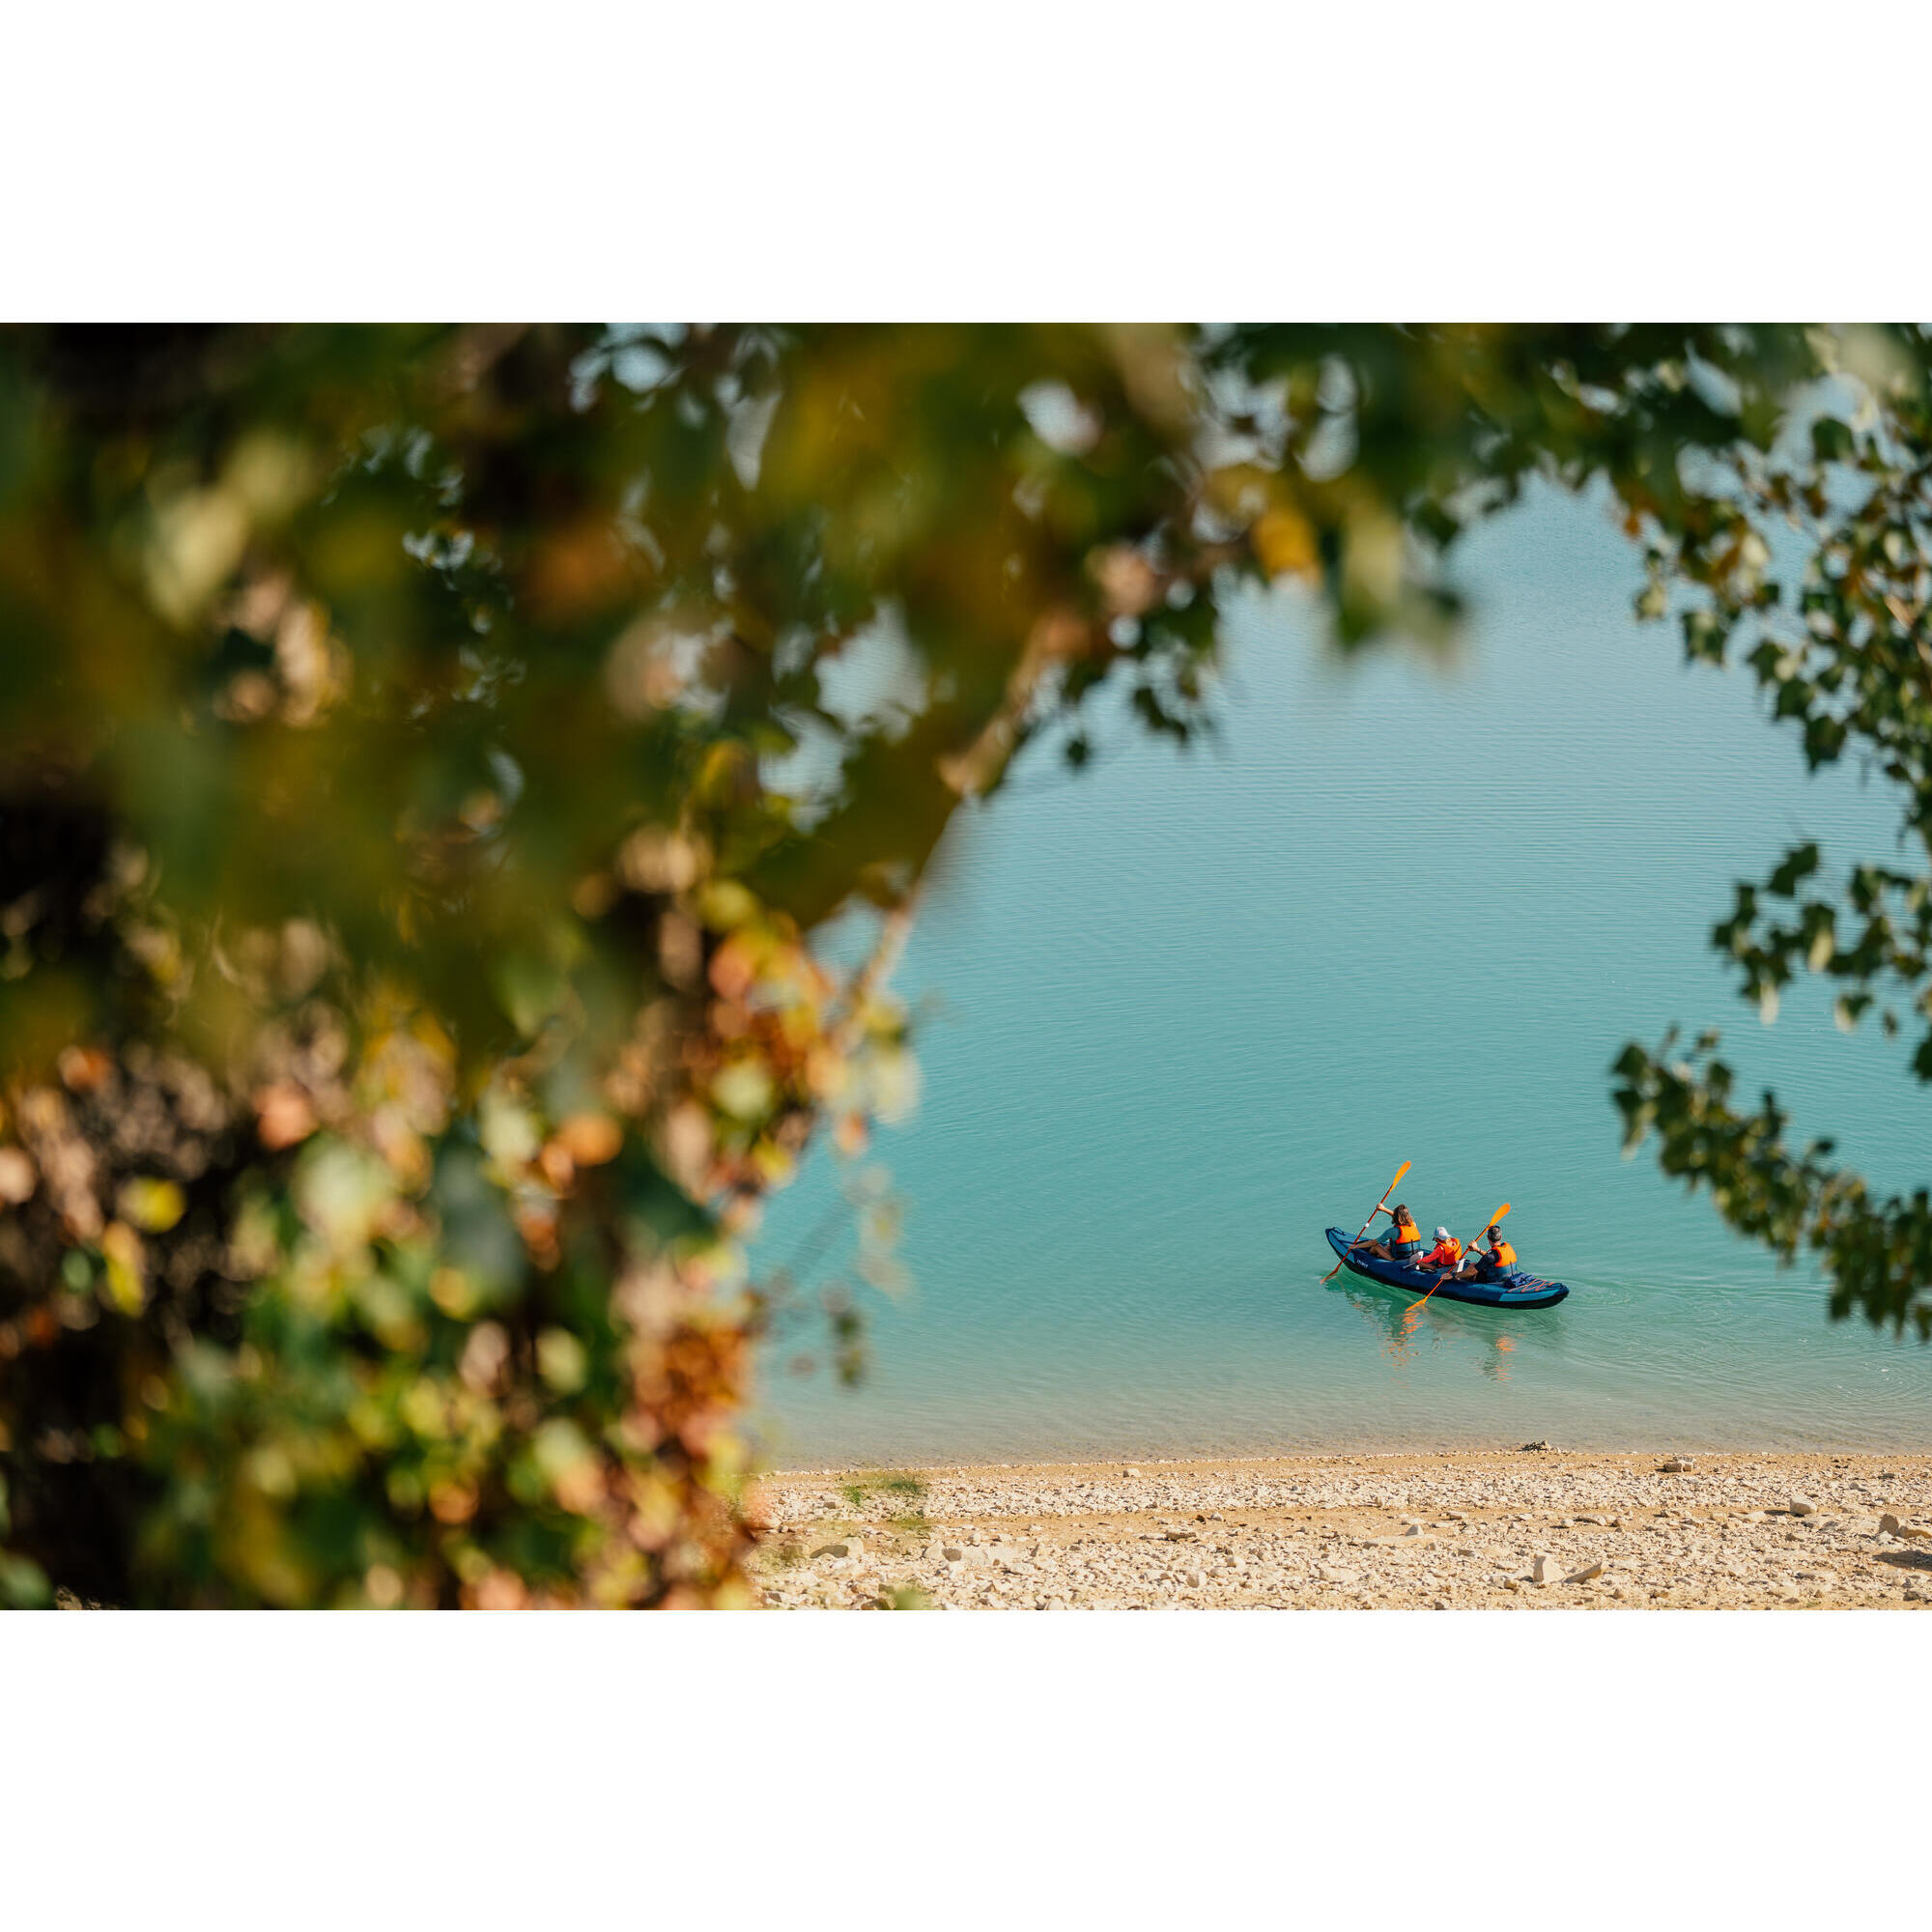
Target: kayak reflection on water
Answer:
[[1399, 1326]]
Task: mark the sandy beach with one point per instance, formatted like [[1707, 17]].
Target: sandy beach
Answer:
[[1531, 1528]]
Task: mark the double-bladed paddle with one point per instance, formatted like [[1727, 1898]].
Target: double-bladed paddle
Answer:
[[1466, 1253], [1373, 1212]]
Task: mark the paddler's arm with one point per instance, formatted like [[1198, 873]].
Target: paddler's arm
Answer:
[[1362, 1240]]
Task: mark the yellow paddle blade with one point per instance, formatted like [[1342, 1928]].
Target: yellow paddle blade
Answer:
[[1386, 1192], [1490, 1222]]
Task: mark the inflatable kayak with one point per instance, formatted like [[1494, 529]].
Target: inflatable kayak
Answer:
[[1511, 1289]]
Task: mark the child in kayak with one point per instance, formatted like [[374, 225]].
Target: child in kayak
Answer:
[[1404, 1238], [1447, 1253]]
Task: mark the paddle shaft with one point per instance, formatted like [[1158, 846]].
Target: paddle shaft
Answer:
[[1447, 1272], [1373, 1212]]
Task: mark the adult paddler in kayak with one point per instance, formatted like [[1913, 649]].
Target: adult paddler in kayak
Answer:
[[1480, 1263], [1404, 1238]]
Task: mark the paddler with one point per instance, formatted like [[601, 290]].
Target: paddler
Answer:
[[1446, 1253], [1498, 1259], [1404, 1238]]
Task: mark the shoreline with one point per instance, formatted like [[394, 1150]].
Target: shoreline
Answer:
[[804, 1467], [1459, 1529]]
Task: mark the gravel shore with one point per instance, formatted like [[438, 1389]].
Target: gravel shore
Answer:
[[1523, 1529]]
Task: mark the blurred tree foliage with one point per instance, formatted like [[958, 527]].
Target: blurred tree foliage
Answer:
[[1842, 647], [421, 786]]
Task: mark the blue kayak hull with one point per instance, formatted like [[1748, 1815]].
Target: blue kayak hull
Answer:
[[1513, 1290]]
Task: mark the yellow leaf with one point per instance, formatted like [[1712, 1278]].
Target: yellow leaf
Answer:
[[120, 1248], [562, 1360], [152, 1205], [1285, 544], [744, 1088]]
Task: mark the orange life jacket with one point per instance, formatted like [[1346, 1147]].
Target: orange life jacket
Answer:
[[1406, 1231], [1503, 1255], [1446, 1253]]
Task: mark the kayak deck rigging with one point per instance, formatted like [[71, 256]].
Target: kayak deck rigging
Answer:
[[1511, 1289]]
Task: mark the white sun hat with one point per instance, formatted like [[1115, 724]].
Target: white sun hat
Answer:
[[1442, 1234]]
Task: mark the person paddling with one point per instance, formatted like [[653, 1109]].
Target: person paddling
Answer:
[[1498, 1259], [1404, 1238], [1446, 1253]]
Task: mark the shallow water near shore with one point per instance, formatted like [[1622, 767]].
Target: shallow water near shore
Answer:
[[1196, 1008]]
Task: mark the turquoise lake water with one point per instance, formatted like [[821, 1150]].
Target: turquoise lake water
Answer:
[[1195, 1007]]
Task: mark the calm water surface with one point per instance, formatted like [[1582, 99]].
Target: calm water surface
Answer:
[[1195, 1009]]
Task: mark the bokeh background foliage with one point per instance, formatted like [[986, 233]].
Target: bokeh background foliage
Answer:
[[424, 782]]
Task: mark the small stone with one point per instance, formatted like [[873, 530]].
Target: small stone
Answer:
[[1130, 1470], [1414, 1529], [1888, 1525], [952, 1554], [1538, 1444], [1589, 1573], [852, 1547], [1675, 1465], [1914, 1532], [1329, 1574], [1802, 1506], [1545, 1569]]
